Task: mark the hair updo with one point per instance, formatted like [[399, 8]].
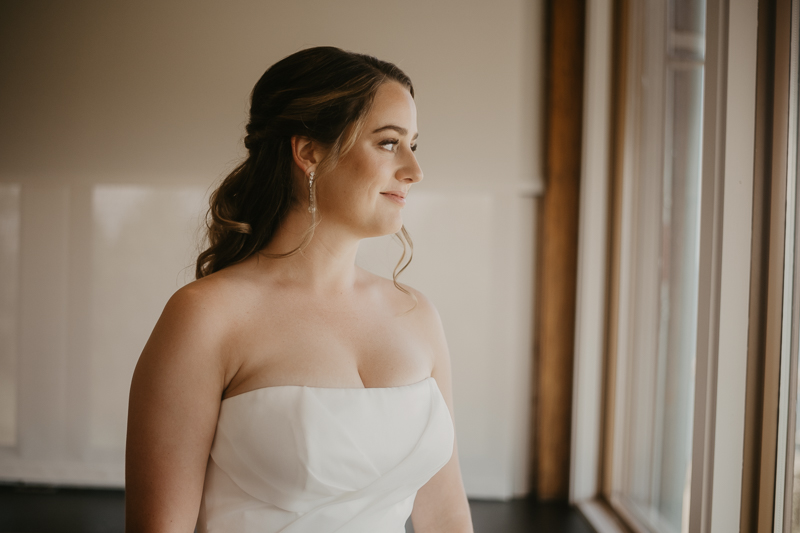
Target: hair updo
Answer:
[[322, 93]]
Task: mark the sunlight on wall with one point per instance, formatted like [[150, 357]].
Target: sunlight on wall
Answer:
[[142, 251]]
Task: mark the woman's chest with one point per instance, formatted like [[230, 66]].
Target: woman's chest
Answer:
[[321, 350]]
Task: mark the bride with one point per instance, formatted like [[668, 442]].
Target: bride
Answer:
[[287, 389]]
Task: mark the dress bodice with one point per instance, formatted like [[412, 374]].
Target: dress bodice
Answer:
[[307, 459]]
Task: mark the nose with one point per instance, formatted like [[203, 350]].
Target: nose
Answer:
[[410, 171]]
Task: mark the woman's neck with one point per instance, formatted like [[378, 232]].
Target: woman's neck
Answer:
[[325, 265]]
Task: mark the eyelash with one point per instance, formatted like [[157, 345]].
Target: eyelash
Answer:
[[395, 142]]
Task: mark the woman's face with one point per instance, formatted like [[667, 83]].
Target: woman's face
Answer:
[[366, 191]]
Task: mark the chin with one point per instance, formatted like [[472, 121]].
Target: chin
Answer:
[[387, 228], [395, 227]]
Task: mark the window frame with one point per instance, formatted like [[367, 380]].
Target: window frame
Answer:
[[729, 108], [783, 304]]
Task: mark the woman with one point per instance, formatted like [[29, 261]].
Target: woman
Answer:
[[286, 389]]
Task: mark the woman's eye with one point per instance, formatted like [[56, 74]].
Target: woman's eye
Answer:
[[413, 147], [390, 145]]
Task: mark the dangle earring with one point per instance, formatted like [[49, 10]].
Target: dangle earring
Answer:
[[311, 206]]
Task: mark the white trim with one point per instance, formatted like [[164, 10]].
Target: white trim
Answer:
[[723, 303], [734, 304], [602, 519], [590, 325]]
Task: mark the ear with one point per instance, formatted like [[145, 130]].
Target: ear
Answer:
[[306, 153]]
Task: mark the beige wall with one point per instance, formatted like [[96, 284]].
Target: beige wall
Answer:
[[117, 117]]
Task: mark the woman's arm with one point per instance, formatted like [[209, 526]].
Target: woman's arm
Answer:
[[441, 505], [174, 403]]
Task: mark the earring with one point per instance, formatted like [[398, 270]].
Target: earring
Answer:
[[311, 206]]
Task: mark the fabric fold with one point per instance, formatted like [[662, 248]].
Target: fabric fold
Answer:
[[294, 459]]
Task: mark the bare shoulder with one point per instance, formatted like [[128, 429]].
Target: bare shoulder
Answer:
[[417, 311], [209, 299], [197, 324], [430, 323], [411, 303], [219, 299], [424, 308], [174, 402], [200, 308]]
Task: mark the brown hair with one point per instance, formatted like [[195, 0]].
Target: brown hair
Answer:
[[322, 93]]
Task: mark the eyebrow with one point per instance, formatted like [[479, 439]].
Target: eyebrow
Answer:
[[398, 129]]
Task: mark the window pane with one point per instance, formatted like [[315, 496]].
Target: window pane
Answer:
[[689, 16], [657, 388], [662, 388], [680, 263]]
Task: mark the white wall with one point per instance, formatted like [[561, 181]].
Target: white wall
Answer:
[[117, 117]]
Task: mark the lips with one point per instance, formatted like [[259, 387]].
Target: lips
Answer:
[[398, 197]]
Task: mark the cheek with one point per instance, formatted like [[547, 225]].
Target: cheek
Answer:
[[364, 169], [343, 193], [359, 180]]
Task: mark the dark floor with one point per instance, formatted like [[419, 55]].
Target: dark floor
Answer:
[[26, 509]]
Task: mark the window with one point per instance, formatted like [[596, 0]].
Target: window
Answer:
[[672, 380], [654, 393]]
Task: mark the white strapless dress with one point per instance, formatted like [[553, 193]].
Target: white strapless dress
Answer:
[[296, 459]]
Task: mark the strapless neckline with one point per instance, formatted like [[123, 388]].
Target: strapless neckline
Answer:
[[314, 388], [299, 459]]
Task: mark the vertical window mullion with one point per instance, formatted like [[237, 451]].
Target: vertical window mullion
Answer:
[[787, 399]]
